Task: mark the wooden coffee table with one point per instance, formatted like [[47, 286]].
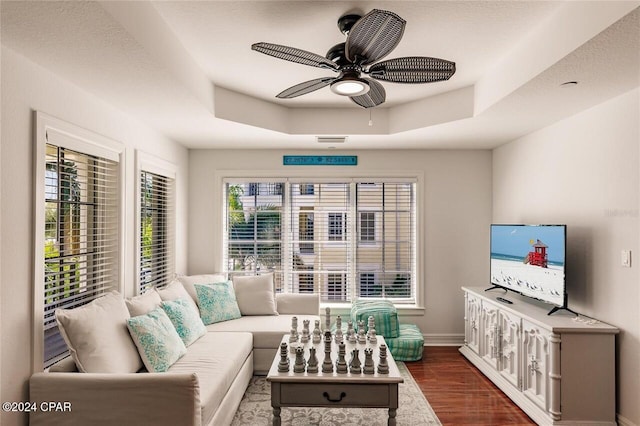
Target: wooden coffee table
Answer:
[[347, 390]]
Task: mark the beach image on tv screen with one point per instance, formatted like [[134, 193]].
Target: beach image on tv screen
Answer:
[[529, 260]]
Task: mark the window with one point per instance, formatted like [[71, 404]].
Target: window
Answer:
[[156, 235], [367, 227], [336, 289], [306, 189], [345, 240], [77, 224], [336, 226]]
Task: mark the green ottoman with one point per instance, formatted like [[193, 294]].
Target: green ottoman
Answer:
[[410, 344], [383, 312]]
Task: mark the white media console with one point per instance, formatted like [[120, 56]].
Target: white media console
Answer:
[[560, 369]]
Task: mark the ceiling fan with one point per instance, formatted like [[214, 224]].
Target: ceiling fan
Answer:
[[369, 38]]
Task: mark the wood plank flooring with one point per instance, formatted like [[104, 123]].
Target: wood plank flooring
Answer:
[[459, 393]]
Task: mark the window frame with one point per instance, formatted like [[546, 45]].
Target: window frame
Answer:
[[221, 177], [149, 163], [51, 130]]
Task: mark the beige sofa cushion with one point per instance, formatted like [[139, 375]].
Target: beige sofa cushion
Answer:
[[254, 294], [175, 290], [267, 330], [216, 358], [97, 336], [143, 304]]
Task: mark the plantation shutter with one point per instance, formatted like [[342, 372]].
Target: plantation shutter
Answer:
[[157, 235], [253, 228], [386, 241], [319, 239], [81, 253]]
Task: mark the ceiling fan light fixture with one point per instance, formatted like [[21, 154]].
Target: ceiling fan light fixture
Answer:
[[349, 86]]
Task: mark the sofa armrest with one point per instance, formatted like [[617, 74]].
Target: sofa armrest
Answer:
[[116, 399], [294, 303]]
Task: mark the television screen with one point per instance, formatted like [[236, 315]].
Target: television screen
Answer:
[[530, 259]]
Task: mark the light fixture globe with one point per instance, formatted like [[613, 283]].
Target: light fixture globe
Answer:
[[350, 84]]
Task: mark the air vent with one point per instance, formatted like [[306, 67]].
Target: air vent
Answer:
[[331, 139]]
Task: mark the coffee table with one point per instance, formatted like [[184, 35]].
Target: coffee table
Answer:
[[346, 390]]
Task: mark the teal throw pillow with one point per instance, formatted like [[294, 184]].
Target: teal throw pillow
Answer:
[[185, 319], [158, 342], [217, 302]]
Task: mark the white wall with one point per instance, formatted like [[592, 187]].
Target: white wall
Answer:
[[27, 87], [583, 171], [457, 213]]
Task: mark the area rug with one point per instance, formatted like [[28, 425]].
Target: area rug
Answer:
[[414, 410]]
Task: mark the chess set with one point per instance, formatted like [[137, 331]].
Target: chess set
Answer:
[[297, 341]]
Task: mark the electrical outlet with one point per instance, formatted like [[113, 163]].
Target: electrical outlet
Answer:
[[625, 258]]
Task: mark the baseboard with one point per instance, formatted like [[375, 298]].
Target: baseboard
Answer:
[[623, 421], [443, 339]]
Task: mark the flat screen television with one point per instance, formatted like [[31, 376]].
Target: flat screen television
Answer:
[[530, 260]]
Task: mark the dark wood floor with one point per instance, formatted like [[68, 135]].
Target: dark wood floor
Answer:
[[459, 393]]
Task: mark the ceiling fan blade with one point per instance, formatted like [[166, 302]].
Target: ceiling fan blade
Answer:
[[294, 55], [374, 97], [306, 87], [413, 69], [373, 36]]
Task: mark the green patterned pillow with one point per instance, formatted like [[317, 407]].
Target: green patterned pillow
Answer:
[[383, 312], [185, 319], [158, 342], [217, 302]]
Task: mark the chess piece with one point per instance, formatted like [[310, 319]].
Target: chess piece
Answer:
[[383, 366], [283, 365], [354, 365], [305, 331], [368, 361], [293, 334], [351, 333], [371, 328], [341, 363], [312, 364], [372, 336], [327, 364], [317, 334], [298, 366], [327, 319], [361, 337], [338, 336]]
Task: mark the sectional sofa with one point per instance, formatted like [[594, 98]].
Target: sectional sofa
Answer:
[[203, 387]]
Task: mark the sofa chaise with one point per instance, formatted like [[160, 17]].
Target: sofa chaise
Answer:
[[203, 387]]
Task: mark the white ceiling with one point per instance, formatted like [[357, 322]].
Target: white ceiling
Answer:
[[186, 67]]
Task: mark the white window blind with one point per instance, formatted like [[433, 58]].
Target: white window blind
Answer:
[[253, 222], [342, 240], [81, 241], [157, 235]]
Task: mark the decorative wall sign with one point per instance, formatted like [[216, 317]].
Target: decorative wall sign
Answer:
[[320, 160]]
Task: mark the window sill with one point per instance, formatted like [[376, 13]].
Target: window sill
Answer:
[[342, 309]]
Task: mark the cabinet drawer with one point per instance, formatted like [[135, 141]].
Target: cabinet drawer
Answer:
[[345, 395]]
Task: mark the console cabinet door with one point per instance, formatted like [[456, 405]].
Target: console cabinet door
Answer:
[[490, 329], [472, 322], [509, 356], [535, 349]]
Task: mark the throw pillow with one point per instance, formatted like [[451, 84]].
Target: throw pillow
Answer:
[[189, 281], [255, 294], [97, 338], [185, 319], [175, 290], [157, 340], [217, 302], [140, 305]]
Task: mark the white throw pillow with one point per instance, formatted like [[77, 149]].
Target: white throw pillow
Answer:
[[97, 336], [157, 340], [140, 305], [189, 281], [255, 295], [175, 290]]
